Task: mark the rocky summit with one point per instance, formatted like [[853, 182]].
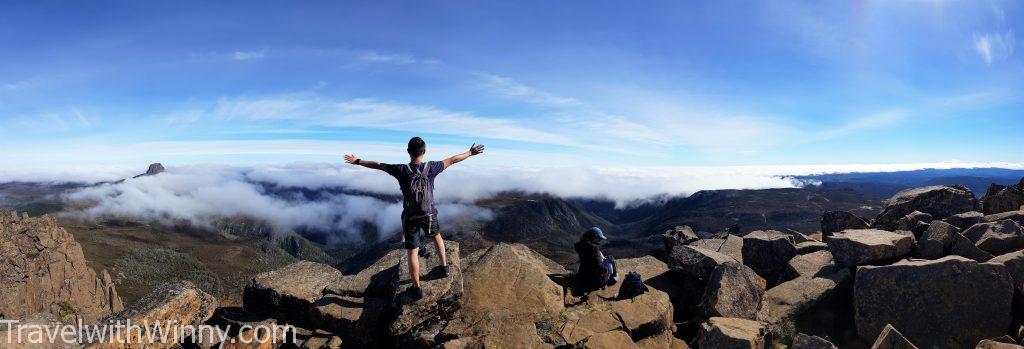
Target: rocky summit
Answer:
[[930, 271], [45, 271]]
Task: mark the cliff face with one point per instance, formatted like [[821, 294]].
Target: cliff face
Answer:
[[44, 270]]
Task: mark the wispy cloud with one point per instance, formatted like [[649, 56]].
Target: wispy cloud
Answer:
[[248, 55], [509, 88], [375, 114], [994, 46]]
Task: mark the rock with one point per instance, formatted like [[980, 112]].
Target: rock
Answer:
[[940, 201], [964, 220], [792, 299], [734, 290], [681, 235], [507, 291], [610, 340], [1014, 263], [1002, 198], [916, 222], [837, 221], [44, 270], [731, 246], [798, 237], [996, 237], [355, 303], [154, 169], [417, 322], [172, 305], [810, 265], [653, 271], [1004, 342], [577, 325], [890, 338], [803, 341], [731, 333], [865, 246], [964, 247], [1016, 216], [767, 252], [936, 241], [695, 262], [663, 341], [951, 302], [289, 291], [645, 315], [810, 246]]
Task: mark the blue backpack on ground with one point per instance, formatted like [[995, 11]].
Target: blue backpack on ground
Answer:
[[632, 286]]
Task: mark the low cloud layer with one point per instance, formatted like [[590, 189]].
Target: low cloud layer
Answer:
[[350, 197]]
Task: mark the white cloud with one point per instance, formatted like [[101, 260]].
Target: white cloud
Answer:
[[509, 88], [203, 194], [389, 58], [248, 55], [994, 46], [383, 115]]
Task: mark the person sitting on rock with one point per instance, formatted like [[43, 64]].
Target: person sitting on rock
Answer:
[[595, 271], [416, 180]]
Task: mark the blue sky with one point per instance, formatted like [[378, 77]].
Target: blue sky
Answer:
[[675, 83]]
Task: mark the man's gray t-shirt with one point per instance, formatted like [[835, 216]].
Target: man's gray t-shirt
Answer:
[[402, 173]]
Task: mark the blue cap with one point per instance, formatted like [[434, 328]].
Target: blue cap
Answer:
[[597, 232]]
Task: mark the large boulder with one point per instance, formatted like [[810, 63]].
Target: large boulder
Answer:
[[890, 338], [810, 265], [1014, 263], [964, 247], [696, 262], [940, 201], [810, 246], [1016, 216], [653, 271], [734, 290], [173, 306], [866, 246], [915, 222], [663, 341], [803, 341], [767, 252], [418, 321], [507, 290], [1004, 342], [730, 245], [610, 340], [731, 333], [44, 270], [786, 303], [964, 220], [681, 235], [936, 241], [996, 237], [951, 302], [837, 221], [1002, 198], [289, 292]]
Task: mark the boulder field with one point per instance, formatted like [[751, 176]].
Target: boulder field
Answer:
[[936, 269]]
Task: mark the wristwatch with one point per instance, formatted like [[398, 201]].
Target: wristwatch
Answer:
[[357, 161]]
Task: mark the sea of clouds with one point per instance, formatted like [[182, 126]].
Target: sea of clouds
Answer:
[[350, 197]]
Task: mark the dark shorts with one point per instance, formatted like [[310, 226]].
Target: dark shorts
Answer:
[[411, 230]]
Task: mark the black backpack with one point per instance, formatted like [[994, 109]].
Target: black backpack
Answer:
[[632, 286], [419, 183]]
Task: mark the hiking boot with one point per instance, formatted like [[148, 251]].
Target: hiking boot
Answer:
[[444, 271], [416, 293]]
